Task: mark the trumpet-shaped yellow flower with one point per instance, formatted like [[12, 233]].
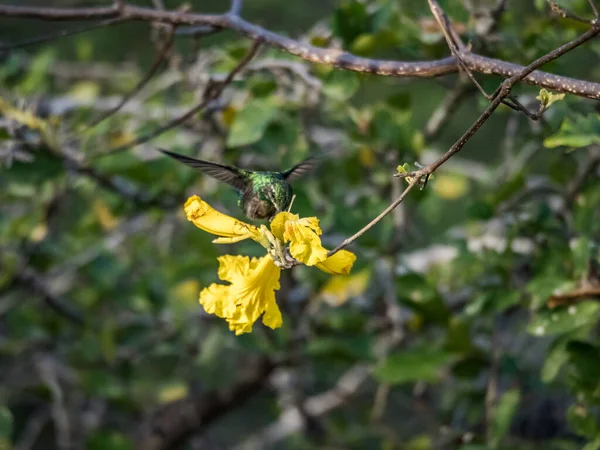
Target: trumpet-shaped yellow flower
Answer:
[[250, 294], [253, 282], [212, 221], [303, 236]]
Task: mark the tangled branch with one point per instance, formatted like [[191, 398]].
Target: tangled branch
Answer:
[[502, 92], [332, 57]]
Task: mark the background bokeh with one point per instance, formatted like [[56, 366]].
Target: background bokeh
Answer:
[[442, 336]]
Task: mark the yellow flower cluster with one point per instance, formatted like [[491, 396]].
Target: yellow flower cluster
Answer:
[[253, 281]]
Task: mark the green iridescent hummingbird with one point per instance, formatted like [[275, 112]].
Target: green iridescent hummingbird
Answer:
[[261, 194]]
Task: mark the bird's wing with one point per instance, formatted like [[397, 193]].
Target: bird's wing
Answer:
[[227, 174], [303, 168]]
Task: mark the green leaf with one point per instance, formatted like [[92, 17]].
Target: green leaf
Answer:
[[563, 320], [577, 133], [420, 364], [459, 335], [250, 124], [349, 348], [351, 20], [547, 98], [582, 421], [584, 367], [414, 291], [109, 439], [6, 423], [364, 44], [503, 415], [38, 71], [555, 360], [107, 341], [341, 84], [422, 442], [594, 445]]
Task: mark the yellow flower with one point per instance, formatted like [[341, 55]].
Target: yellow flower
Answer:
[[303, 235], [209, 219], [253, 282], [250, 294]]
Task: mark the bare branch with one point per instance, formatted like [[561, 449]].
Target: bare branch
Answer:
[[453, 40], [119, 4], [457, 48], [371, 224], [60, 34], [120, 186], [291, 421], [212, 93], [174, 422], [331, 57], [501, 93], [556, 8], [158, 4], [447, 106], [29, 279], [160, 57], [594, 8], [32, 429], [590, 168], [236, 7]]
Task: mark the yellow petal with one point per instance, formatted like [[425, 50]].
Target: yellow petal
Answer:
[[215, 300], [250, 294], [305, 245], [229, 240], [303, 236], [231, 267], [338, 264], [212, 221], [279, 221], [272, 317]]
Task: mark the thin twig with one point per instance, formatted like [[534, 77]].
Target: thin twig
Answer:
[[236, 7], [556, 8], [160, 57], [373, 222], [590, 168], [60, 34], [30, 279], [594, 8], [457, 48], [453, 40], [502, 92], [331, 57], [158, 4], [449, 104], [213, 92], [422, 175], [174, 422]]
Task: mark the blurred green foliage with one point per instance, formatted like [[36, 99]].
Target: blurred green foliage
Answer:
[[453, 321]]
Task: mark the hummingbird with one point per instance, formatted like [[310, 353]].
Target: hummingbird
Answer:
[[261, 195]]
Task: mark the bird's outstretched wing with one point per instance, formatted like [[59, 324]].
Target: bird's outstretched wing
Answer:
[[227, 174], [302, 169]]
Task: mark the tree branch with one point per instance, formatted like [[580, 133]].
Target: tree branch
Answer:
[[331, 57], [30, 279], [457, 48], [160, 57], [556, 8], [422, 175], [174, 422], [59, 34], [501, 93], [212, 93]]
